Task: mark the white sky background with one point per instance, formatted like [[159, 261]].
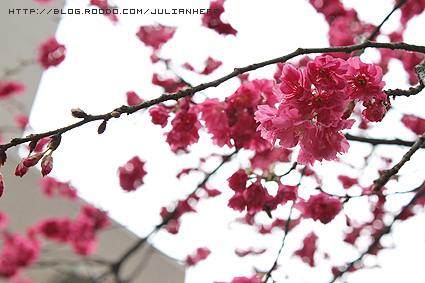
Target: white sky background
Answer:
[[104, 61]]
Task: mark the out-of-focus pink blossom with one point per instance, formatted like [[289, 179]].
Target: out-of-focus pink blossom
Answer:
[[414, 123], [199, 255], [306, 253], [8, 88], [155, 35], [133, 98], [131, 174], [51, 53], [212, 20]]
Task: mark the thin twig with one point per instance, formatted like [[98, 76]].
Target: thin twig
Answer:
[[381, 181], [373, 141], [385, 230], [287, 227], [115, 267]]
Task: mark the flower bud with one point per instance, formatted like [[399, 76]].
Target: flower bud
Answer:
[[54, 142], [102, 127], [78, 113], [1, 185], [21, 169], [115, 114], [33, 159], [46, 165], [3, 157]]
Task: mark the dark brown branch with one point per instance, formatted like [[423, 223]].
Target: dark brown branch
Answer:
[[385, 230], [401, 92], [381, 181], [190, 91], [373, 141], [115, 267], [378, 28]]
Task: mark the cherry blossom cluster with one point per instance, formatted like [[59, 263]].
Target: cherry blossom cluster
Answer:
[[80, 233], [316, 104]]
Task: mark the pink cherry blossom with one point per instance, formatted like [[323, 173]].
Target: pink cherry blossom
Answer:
[[1, 186], [253, 279], [8, 88], [199, 255], [306, 253], [159, 115], [133, 98], [51, 53], [131, 174], [414, 123], [51, 187], [327, 72], [320, 207], [364, 80], [155, 35], [46, 165], [210, 66], [213, 21], [17, 252]]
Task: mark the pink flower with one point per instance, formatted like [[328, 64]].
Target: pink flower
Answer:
[[364, 80], [237, 181], [50, 187], [199, 255], [170, 85], [415, 124], [46, 165], [265, 158], [376, 108], [1, 191], [253, 279], [327, 72], [210, 66], [133, 98], [51, 53], [131, 174], [348, 182], [250, 251], [185, 130], [21, 120], [256, 197], [103, 5], [155, 35], [21, 169], [306, 253], [213, 20], [33, 159], [55, 229], [159, 115], [17, 252], [4, 220], [8, 88], [320, 207], [295, 84]]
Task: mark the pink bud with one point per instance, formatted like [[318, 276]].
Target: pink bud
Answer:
[[1, 185], [21, 169], [33, 159], [46, 165]]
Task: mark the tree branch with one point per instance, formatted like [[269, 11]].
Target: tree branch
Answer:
[[115, 267], [373, 141], [190, 91], [385, 230], [381, 181]]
